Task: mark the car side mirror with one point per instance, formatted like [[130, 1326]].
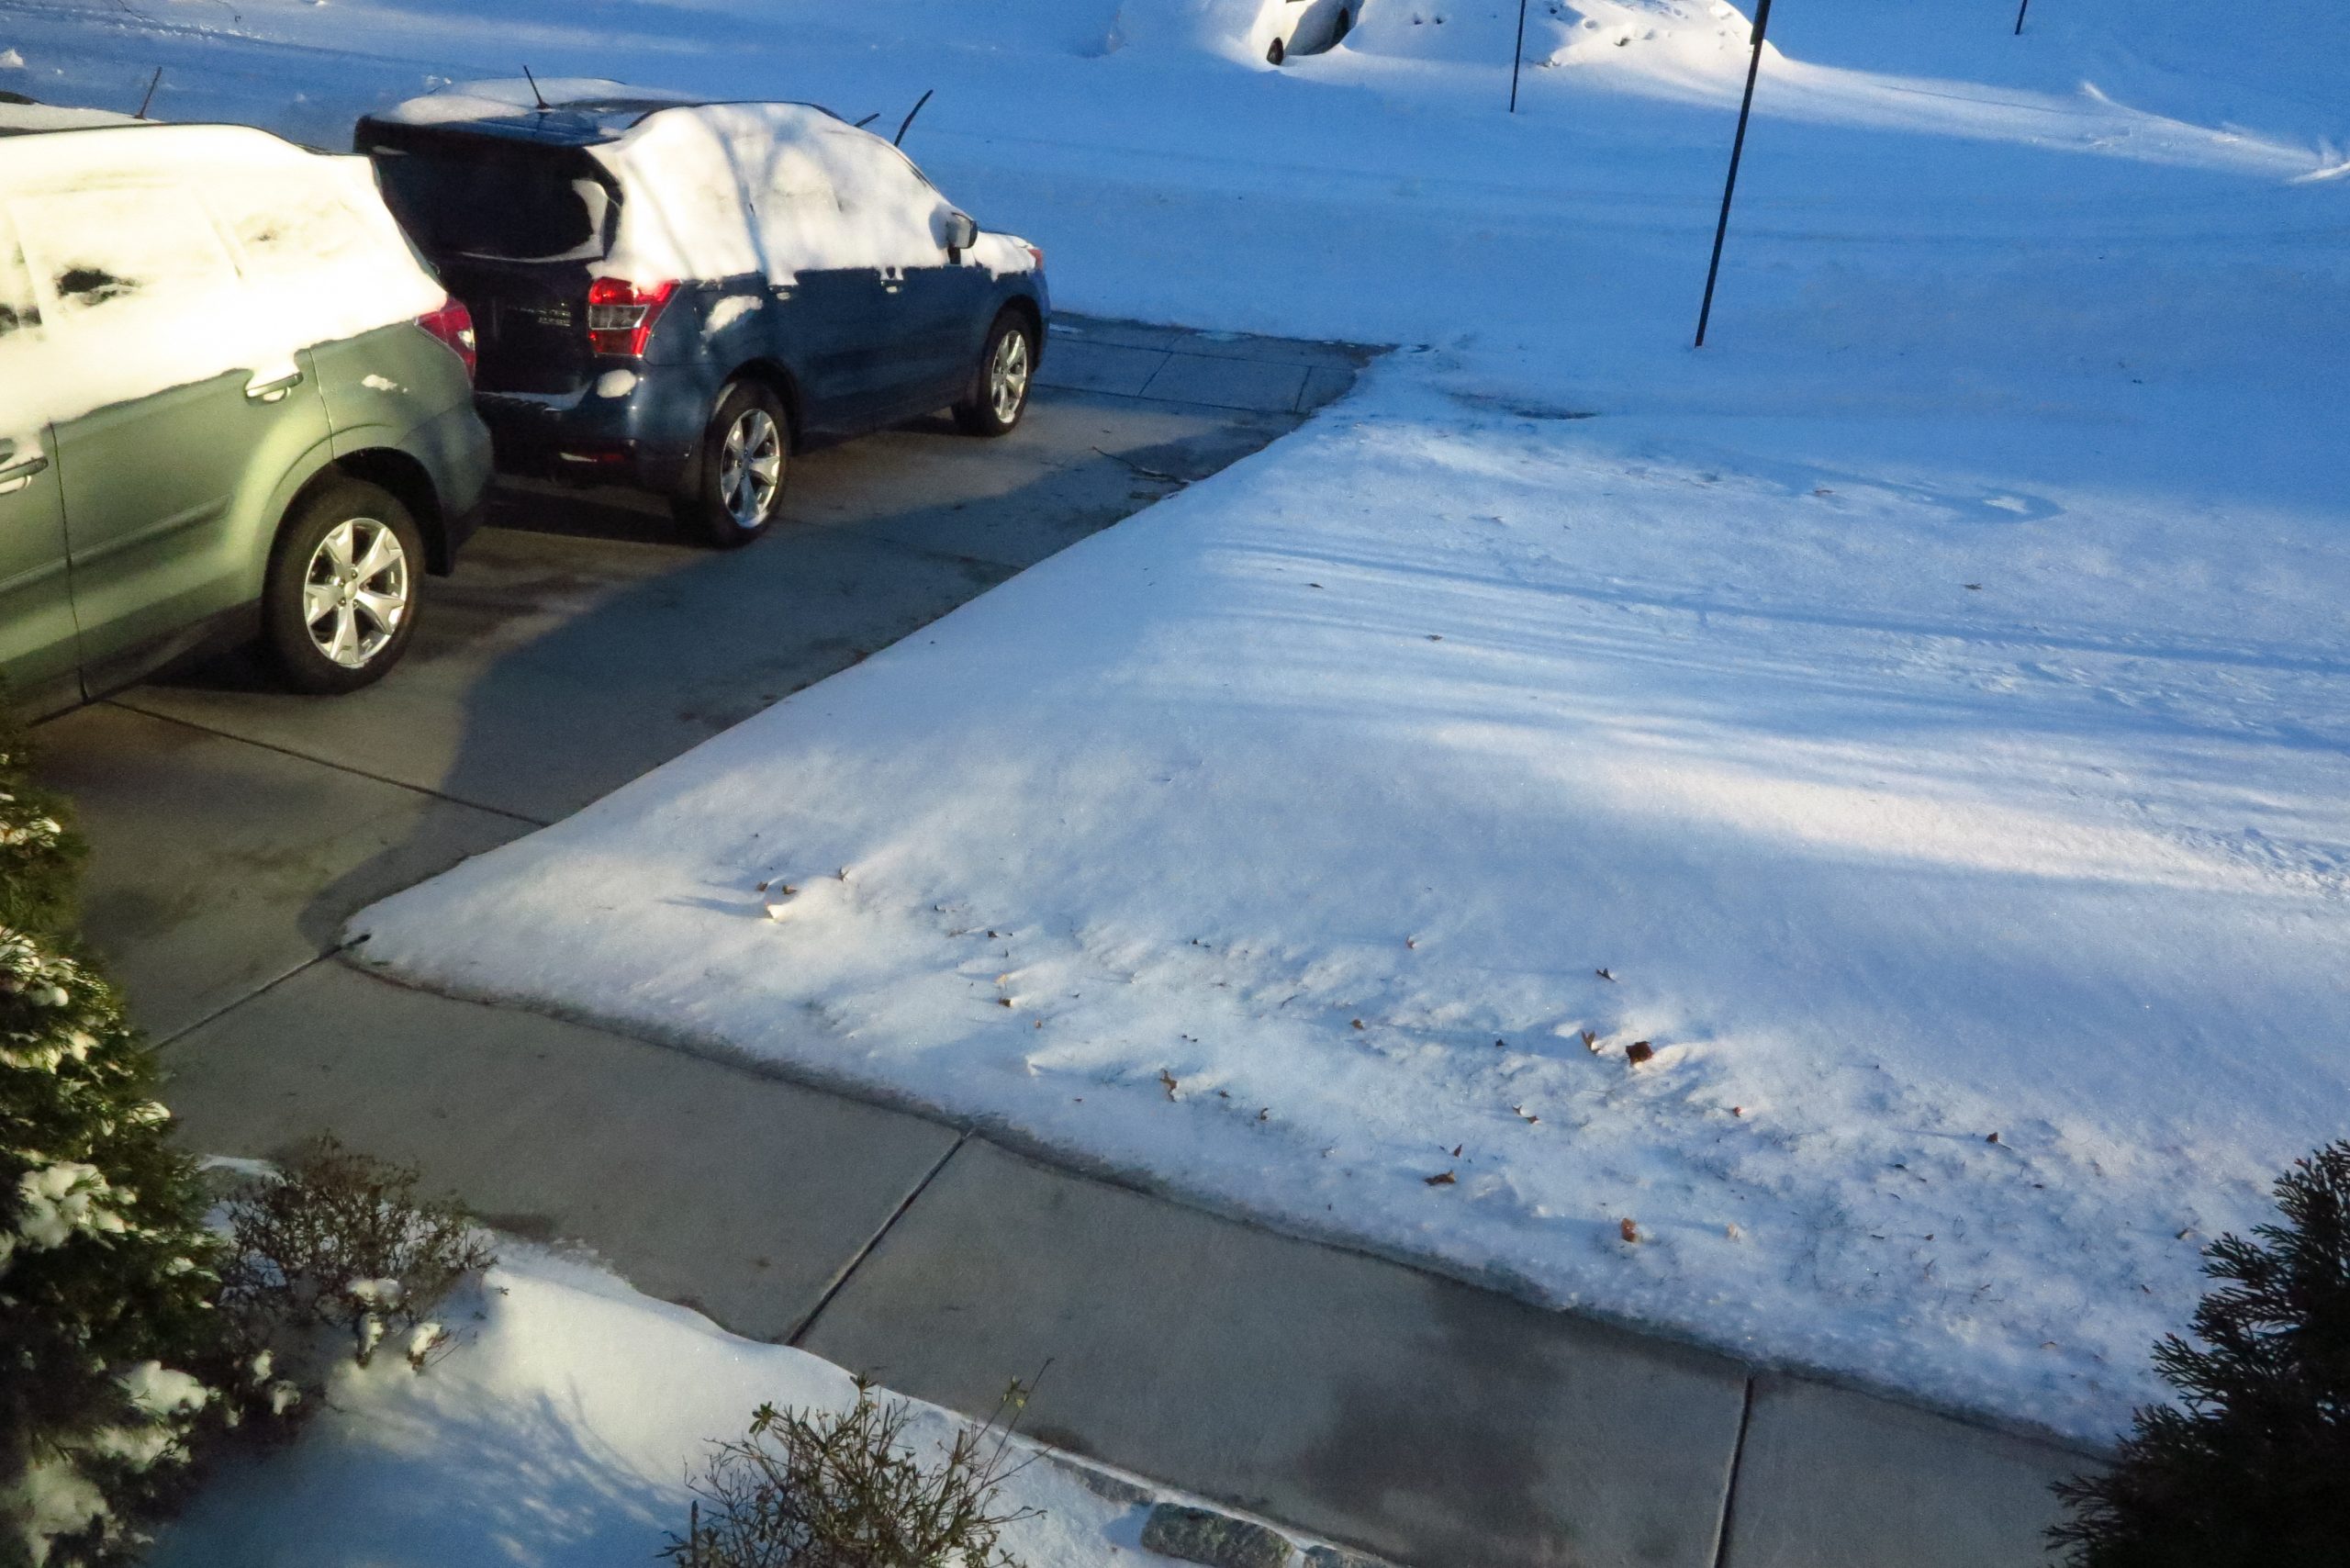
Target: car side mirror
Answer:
[[962, 233]]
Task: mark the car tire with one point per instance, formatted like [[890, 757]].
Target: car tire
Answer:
[[340, 600], [1006, 373], [1276, 54], [739, 476]]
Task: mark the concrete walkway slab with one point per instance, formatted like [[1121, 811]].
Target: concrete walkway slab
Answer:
[[1833, 1479], [1216, 383], [1113, 455], [1112, 332], [1078, 365], [1324, 385], [739, 1194], [218, 865], [1424, 1419], [545, 678], [582, 641]]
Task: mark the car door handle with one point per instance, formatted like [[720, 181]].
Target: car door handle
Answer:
[[274, 390], [16, 475]]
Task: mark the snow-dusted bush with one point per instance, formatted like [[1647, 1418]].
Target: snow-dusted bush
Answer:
[[843, 1489], [2255, 1470], [339, 1245], [111, 1356]]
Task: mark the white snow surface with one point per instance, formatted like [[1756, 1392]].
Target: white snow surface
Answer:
[[1928, 702], [53, 116], [557, 1426], [219, 248]]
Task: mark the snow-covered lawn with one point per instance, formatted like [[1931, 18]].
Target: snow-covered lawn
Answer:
[[559, 1429], [1271, 845], [1926, 705]]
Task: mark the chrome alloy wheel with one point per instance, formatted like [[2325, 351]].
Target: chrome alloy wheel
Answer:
[[356, 592], [1008, 376], [750, 468]]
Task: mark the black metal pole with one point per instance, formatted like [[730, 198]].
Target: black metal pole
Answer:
[[1519, 58], [2021, 9], [1738, 147]]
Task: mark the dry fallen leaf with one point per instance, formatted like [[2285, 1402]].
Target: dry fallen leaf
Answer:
[[1357, 1023], [1627, 1230], [1168, 1078], [1993, 1138], [1441, 1179], [1603, 974], [1457, 1149], [1637, 1052], [1591, 1041]]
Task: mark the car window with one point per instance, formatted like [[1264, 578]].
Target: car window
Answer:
[[102, 253], [505, 204], [286, 229], [890, 212]]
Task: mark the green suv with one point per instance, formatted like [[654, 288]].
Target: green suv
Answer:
[[233, 404]]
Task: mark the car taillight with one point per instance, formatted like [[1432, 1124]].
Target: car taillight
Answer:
[[454, 325], [1039, 255], [620, 314]]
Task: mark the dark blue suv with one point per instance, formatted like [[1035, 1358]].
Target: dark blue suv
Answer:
[[677, 295]]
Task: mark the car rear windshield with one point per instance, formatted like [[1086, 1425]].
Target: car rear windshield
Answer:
[[481, 198]]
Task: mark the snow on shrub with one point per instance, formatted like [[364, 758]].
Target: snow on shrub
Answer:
[[110, 1347], [2255, 1470], [337, 1251], [117, 1356], [828, 1489]]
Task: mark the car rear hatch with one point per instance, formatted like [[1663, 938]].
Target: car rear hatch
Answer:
[[512, 228]]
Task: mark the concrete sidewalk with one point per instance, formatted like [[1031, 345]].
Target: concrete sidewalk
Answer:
[[1426, 1420], [1429, 1421]]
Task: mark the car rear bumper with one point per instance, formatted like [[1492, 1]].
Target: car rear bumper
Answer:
[[642, 432]]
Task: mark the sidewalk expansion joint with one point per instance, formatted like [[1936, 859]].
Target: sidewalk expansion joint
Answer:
[[849, 1268], [324, 762], [1736, 1463], [185, 1030]]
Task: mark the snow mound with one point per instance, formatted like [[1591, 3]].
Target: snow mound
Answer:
[[558, 1430]]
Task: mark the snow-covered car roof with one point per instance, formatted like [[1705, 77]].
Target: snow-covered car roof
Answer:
[[26, 117], [574, 111]]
